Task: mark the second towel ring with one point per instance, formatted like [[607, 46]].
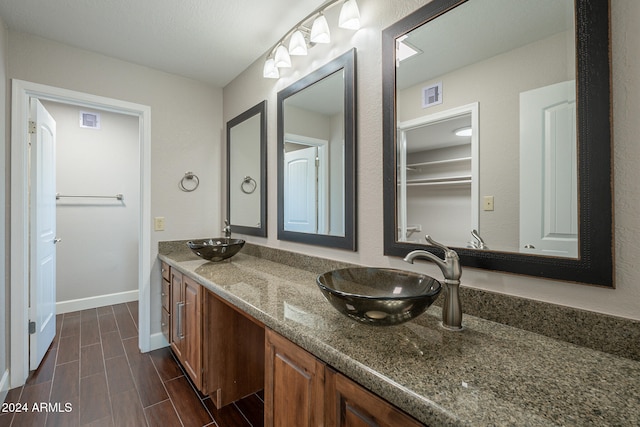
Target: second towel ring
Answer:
[[248, 185], [189, 176]]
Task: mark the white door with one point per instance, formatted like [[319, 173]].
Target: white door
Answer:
[[301, 190], [42, 310], [548, 171]]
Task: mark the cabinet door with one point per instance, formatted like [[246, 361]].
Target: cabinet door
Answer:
[[294, 385], [349, 405], [176, 313], [192, 324]]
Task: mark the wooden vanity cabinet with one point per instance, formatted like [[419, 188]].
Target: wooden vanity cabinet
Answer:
[[349, 404], [300, 390], [220, 348], [165, 297], [294, 384], [186, 324]]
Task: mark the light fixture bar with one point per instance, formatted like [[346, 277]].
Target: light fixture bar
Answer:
[[349, 19]]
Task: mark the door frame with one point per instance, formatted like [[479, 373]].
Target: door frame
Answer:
[[22, 91]]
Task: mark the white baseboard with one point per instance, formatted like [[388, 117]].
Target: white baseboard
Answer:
[[4, 385], [157, 341], [94, 302]]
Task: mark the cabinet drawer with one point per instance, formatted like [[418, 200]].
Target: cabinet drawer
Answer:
[[165, 294], [165, 271], [165, 323]]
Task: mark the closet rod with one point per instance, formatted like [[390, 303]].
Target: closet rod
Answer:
[[117, 196]]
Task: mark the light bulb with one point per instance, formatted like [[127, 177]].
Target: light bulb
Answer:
[[320, 30], [297, 44], [349, 15], [282, 58], [270, 71]]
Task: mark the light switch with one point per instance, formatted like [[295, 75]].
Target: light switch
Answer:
[[488, 203], [158, 223]]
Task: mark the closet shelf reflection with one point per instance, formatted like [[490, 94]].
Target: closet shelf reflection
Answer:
[[414, 166], [448, 180]]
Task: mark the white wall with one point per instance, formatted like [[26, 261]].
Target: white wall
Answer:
[[98, 254], [250, 87], [186, 131], [4, 188]]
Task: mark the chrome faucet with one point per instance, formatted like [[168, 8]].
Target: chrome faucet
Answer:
[[227, 230], [478, 243], [451, 270]]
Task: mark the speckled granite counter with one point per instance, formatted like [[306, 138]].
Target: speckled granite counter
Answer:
[[488, 374]]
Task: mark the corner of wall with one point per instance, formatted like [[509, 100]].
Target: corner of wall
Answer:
[[4, 190]]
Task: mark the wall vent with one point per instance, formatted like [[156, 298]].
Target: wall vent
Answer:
[[432, 95], [89, 120]]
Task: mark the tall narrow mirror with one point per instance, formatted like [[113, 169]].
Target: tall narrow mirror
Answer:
[[497, 135], [316, 156], [247, 171]]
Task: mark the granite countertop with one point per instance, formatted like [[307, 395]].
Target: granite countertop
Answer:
[[488, 374]]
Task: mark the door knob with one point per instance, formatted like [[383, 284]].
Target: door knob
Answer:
[[57, 240]]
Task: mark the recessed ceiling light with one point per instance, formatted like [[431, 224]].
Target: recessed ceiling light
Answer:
[[466, 131]]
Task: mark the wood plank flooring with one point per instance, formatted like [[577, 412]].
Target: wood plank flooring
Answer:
[[94, 375]]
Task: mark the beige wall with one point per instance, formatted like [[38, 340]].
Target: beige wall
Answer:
[[186, 131], [250, 87]]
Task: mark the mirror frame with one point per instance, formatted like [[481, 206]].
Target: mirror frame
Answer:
[[259, 109], [595, 262], [346, 62]]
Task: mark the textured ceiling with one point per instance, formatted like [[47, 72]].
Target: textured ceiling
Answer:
[[208, 40]]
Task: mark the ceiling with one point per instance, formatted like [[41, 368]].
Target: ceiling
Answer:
[[212, 41], [490, 27]]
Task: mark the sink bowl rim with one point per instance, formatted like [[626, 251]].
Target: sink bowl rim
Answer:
[[215, 242], [433, 290]]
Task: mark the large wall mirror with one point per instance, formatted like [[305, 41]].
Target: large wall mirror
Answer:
[[247, 171], [497, 135], [316, 156]]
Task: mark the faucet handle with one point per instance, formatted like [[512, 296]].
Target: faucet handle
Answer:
[[448, 253], [436, 244], [480, 242]]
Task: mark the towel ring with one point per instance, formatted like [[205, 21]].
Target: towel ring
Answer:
[[189, 176], [248, 185]]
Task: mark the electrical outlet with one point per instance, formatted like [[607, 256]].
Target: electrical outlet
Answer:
[[487, 203], [158, 223]]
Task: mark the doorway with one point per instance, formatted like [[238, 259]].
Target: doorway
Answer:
[[22, 92]]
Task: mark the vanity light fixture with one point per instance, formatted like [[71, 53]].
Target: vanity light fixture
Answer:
[[465, 131], [301, 38]]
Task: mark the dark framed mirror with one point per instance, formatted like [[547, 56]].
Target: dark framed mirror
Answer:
[[247, 171], [317, 156], [528, 188]]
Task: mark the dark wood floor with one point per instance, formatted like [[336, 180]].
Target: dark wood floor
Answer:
[[94, 375]]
